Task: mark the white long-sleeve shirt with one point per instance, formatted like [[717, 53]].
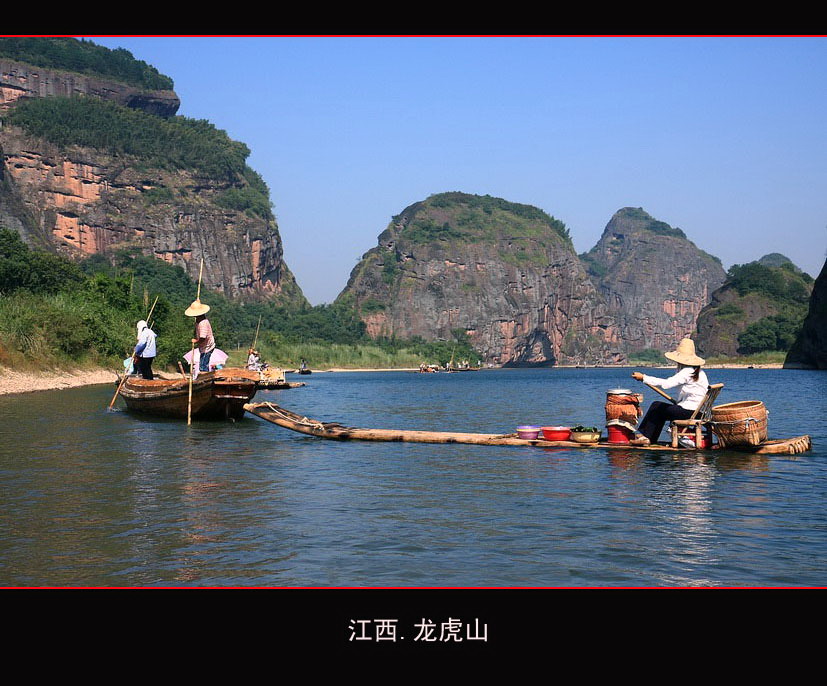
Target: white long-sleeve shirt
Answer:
[[146, 343], [691, 392]]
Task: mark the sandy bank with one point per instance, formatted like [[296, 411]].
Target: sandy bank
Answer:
[[12, 381], [347, 369]]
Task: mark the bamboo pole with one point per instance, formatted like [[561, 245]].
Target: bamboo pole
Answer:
[[123, 378], [200, 271], [665, 395], [255, 340], [189, 395], [120, 385], [192, 351]]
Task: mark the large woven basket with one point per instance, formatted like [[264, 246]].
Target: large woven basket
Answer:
[[623, 406], [741, 423]]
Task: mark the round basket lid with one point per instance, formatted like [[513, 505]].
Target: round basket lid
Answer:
[[619, 391]]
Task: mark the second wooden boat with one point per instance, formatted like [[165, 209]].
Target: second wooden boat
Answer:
[[215, 395], [332, 430]]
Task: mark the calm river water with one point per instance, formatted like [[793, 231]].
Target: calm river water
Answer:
[[91, 497]]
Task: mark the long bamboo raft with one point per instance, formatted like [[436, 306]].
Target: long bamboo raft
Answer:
[[331, 430]]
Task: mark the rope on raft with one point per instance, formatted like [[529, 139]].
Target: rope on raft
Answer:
[[304, 421]]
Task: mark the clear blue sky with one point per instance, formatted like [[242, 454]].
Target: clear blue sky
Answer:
[[725, 138]]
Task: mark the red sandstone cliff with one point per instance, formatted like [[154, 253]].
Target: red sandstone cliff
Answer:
[[503, 273]]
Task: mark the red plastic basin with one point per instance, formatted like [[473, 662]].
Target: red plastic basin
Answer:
[[556, 433]]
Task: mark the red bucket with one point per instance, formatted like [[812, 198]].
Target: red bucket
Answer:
[[619, 434]]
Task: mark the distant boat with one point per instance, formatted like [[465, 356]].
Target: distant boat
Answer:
[[215, 395]]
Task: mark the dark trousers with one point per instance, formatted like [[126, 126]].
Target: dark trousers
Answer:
[[657, 415], [204, 361], [145, 367]]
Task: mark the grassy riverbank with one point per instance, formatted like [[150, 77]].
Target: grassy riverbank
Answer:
[[58, 314]]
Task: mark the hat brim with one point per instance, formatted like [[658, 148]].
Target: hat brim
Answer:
[[689, 360], [196, 310]]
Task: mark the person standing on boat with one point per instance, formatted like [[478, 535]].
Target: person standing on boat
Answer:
[[691, 381], [254, 361], [145, 350], [204, 338]]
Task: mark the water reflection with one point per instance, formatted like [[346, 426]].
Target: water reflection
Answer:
[[111, 498]]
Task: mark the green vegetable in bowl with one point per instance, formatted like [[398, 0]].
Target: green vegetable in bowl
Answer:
[[585, 429]]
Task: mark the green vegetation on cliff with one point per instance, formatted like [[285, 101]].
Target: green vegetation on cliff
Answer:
[[778, 294], [84, 57], [785, 284], [152, 141], [177, 143], [462, 217], [649, 223]]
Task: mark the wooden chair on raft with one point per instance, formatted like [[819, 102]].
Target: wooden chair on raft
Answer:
[[699, 421]]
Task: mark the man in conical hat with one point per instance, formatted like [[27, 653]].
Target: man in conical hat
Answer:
[[693, 385], [204, 338]]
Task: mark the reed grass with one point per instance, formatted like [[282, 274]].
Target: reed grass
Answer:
[[329, 355]]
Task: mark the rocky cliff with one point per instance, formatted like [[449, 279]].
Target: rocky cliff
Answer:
[[503, 273], [810, 348], [84, 201], [768, 290], [80, 197], [19, 80], [654, 280]]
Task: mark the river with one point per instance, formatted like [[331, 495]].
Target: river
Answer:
[[108, 498]]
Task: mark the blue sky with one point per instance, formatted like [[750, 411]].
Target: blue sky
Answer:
[[722, 137]]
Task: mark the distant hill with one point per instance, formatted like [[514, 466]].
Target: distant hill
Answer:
[[760, 307], [653, 278], [776, 259], [503, 274]]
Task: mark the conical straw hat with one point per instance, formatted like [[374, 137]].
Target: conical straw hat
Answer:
[[685, 354], [197, 308]]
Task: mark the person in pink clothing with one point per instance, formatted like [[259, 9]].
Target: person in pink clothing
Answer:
[[204, 338]]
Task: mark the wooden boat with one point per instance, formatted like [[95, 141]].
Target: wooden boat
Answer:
[[215, 395], [331, 430], [273, 379], [267, 384]]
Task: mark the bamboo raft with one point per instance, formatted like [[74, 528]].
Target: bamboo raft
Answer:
[[332, 430]]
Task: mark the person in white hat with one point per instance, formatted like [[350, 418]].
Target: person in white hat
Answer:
[[204, 338], [693, 385], [254, 360], [145, 350]]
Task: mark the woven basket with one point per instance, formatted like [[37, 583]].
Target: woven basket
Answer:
[[624, 406], [742, 423]]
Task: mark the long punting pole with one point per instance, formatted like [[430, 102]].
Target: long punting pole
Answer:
[[123, 378], [192, 351], [255, 340]]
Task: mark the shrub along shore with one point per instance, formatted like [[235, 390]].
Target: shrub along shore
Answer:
[[57, 314]]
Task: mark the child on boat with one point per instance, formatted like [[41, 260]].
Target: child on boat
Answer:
[[691, 381]]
